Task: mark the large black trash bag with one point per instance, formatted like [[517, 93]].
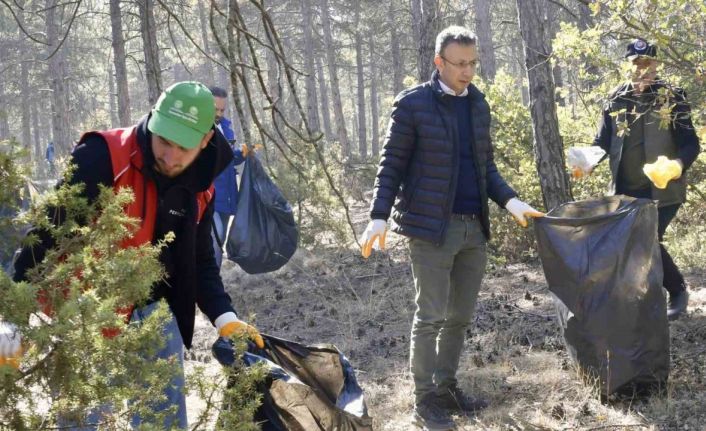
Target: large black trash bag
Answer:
[[603, 266], [308, 387], [264, 235]]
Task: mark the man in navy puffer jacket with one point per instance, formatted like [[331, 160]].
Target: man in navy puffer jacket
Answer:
[[437, 161]]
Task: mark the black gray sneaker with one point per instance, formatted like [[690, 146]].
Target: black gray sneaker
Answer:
[[454, 399], [430, 416], [677, 304]]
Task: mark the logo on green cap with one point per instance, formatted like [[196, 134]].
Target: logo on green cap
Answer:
[[184, 113]]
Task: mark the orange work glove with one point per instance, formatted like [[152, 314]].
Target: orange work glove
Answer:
[[247, 150], [520, 210], [376, 230], [228, 325], [10, 345]]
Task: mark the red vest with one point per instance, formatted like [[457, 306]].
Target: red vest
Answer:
[[127, 161]]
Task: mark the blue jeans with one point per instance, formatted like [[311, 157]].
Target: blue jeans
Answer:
[[174, 393]]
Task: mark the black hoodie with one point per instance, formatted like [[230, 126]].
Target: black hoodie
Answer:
[[192, 274]]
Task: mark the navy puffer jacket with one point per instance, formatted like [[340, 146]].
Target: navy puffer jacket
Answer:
[[420, 162]]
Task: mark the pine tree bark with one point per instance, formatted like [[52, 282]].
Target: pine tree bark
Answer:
[[207, 64], [397, 67], [548, 147], [425, 24], [312, 110], [360, 74], [25, 106], [234, 56], [341, 131], [4, 123], [112, 103], [325, 107], [484, 32], [37, 132], [153, 71], [375, 138], [57, 81], [119, 63]]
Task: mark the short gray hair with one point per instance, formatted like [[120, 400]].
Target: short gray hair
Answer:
[[454, 33]]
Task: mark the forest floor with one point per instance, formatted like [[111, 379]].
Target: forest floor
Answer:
[[514, 354]]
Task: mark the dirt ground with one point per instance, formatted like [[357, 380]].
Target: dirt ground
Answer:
[[514, 354]]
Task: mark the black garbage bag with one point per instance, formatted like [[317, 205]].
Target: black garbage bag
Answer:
[[308, 387], [603, 266], [264, 235]]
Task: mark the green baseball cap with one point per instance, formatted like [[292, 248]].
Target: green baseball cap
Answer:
[[184, 113]]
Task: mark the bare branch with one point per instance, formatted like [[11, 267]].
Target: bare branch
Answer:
[[19, 23], [66, 34]]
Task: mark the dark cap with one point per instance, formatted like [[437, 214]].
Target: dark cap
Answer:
[[640, 48]]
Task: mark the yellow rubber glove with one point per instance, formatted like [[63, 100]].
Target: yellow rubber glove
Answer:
[[10, 345], [228, 325], [521, 210], [663, 171], [376, 230]]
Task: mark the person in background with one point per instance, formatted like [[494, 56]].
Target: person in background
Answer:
[[632, 134], [226, 183]]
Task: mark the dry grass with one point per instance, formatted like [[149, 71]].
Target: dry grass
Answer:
[[514, 355]]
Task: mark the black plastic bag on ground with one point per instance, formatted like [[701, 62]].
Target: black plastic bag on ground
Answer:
[[308, 387], [264, 235], [603, 266]]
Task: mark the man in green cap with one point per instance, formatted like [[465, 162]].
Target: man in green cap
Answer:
[[169, 159]]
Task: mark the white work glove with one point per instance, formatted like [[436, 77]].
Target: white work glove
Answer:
[[519, 210], [582, 160], [10, 345], [228, 325], [377, 229]]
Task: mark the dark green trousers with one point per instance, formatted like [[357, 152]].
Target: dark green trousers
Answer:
[[447, 279]]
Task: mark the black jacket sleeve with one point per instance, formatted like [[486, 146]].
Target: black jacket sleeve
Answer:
[[605, 130], [93, 167], [396, 154], [211, 296], [683, 130]]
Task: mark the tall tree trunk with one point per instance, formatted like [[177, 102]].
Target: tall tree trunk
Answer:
[[37, 132], [484, 32], [373, 97], [548, 147], [4, 114], [24, 90], [552, 15], [274, 87], [585, 17], [57, 76], [119, 63], [112, 105], [341, 132], [207, 64], [325, 107], [360, 72], [234, 57], [425, 24], [397, 67], [153, 71], [312, 110], [25, 105]]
